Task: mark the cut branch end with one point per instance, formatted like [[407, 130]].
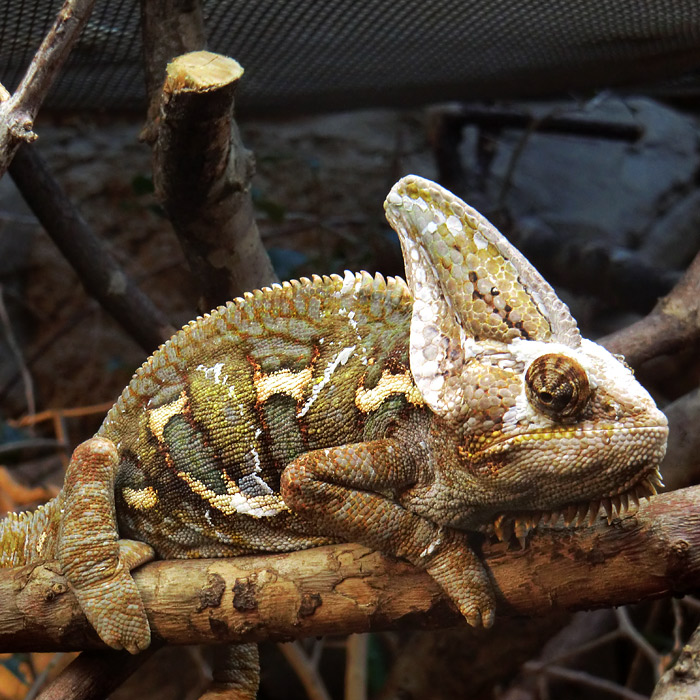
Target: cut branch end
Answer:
[[201, 71]]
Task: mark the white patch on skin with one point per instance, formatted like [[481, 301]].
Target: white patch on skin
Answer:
[[394, 198], [340, 359], [213, 372], [454, 225], [368, 400], [283, 381], [479, 241], [421, 204], [258, 468], [350, 315], [431, 226], [235, 502]]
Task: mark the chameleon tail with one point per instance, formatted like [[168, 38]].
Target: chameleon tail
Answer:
[[30, 536]]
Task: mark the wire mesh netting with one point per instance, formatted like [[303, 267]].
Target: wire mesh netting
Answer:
[[305, 55]]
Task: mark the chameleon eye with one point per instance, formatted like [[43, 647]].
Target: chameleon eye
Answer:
[[557, 386]]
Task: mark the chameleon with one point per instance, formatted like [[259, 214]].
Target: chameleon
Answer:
[[401, 415]]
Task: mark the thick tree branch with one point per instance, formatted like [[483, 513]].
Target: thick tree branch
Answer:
[[674, 323], [95, 674], [201, 169], [102, 276], [18, 112], [347, 588], [169, 28], [202, 172]]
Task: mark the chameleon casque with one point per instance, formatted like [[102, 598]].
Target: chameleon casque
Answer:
[[355, 408]]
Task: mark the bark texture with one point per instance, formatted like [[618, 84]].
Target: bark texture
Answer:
[[347, 588], [202, 173]]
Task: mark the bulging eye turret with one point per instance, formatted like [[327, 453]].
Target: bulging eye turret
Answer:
[[557, 386]]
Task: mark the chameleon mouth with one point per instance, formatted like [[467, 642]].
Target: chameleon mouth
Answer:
[[505, 526]]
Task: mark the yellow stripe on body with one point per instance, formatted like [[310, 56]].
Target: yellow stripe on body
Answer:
[[368, 400], [140, 499], [283, 381], [158, 417]]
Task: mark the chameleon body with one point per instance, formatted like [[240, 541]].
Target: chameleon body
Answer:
[[402, 416]]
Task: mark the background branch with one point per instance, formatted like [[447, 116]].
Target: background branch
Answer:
[[95, 674], [674, 323], [202, 172], [18, 112], [347, 588], [169, 28], [100, 273]]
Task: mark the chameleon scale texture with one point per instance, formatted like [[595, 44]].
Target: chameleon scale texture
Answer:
[[233, 398], [403, 416]]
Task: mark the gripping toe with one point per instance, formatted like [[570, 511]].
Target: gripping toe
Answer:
[[460, 573]]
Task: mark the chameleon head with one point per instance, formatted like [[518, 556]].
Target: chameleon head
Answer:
[[543, 420]]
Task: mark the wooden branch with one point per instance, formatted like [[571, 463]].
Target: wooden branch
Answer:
[[95, 674], [507, 117], [18, 112], [683, 679], [347, 588], [169, 28], [681, 465], [100, 273], [446, 123], [202, 174], [673, 324]]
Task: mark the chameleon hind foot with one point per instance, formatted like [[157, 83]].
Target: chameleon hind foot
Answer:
[[96, 564]]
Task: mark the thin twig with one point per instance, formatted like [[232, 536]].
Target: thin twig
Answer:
[[692, 602], [633, 634], [585, 648], [12, 343], [42, 677], [306, 672], [583, 678], [18, 112], [9, 448], [356, 667], [95, 674], [317, 651], [678, 621]]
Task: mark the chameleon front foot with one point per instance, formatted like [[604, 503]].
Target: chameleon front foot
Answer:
[[464, 579], [95, 562], [113, 604]]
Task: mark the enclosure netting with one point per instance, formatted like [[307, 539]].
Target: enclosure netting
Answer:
[[308, 55]]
